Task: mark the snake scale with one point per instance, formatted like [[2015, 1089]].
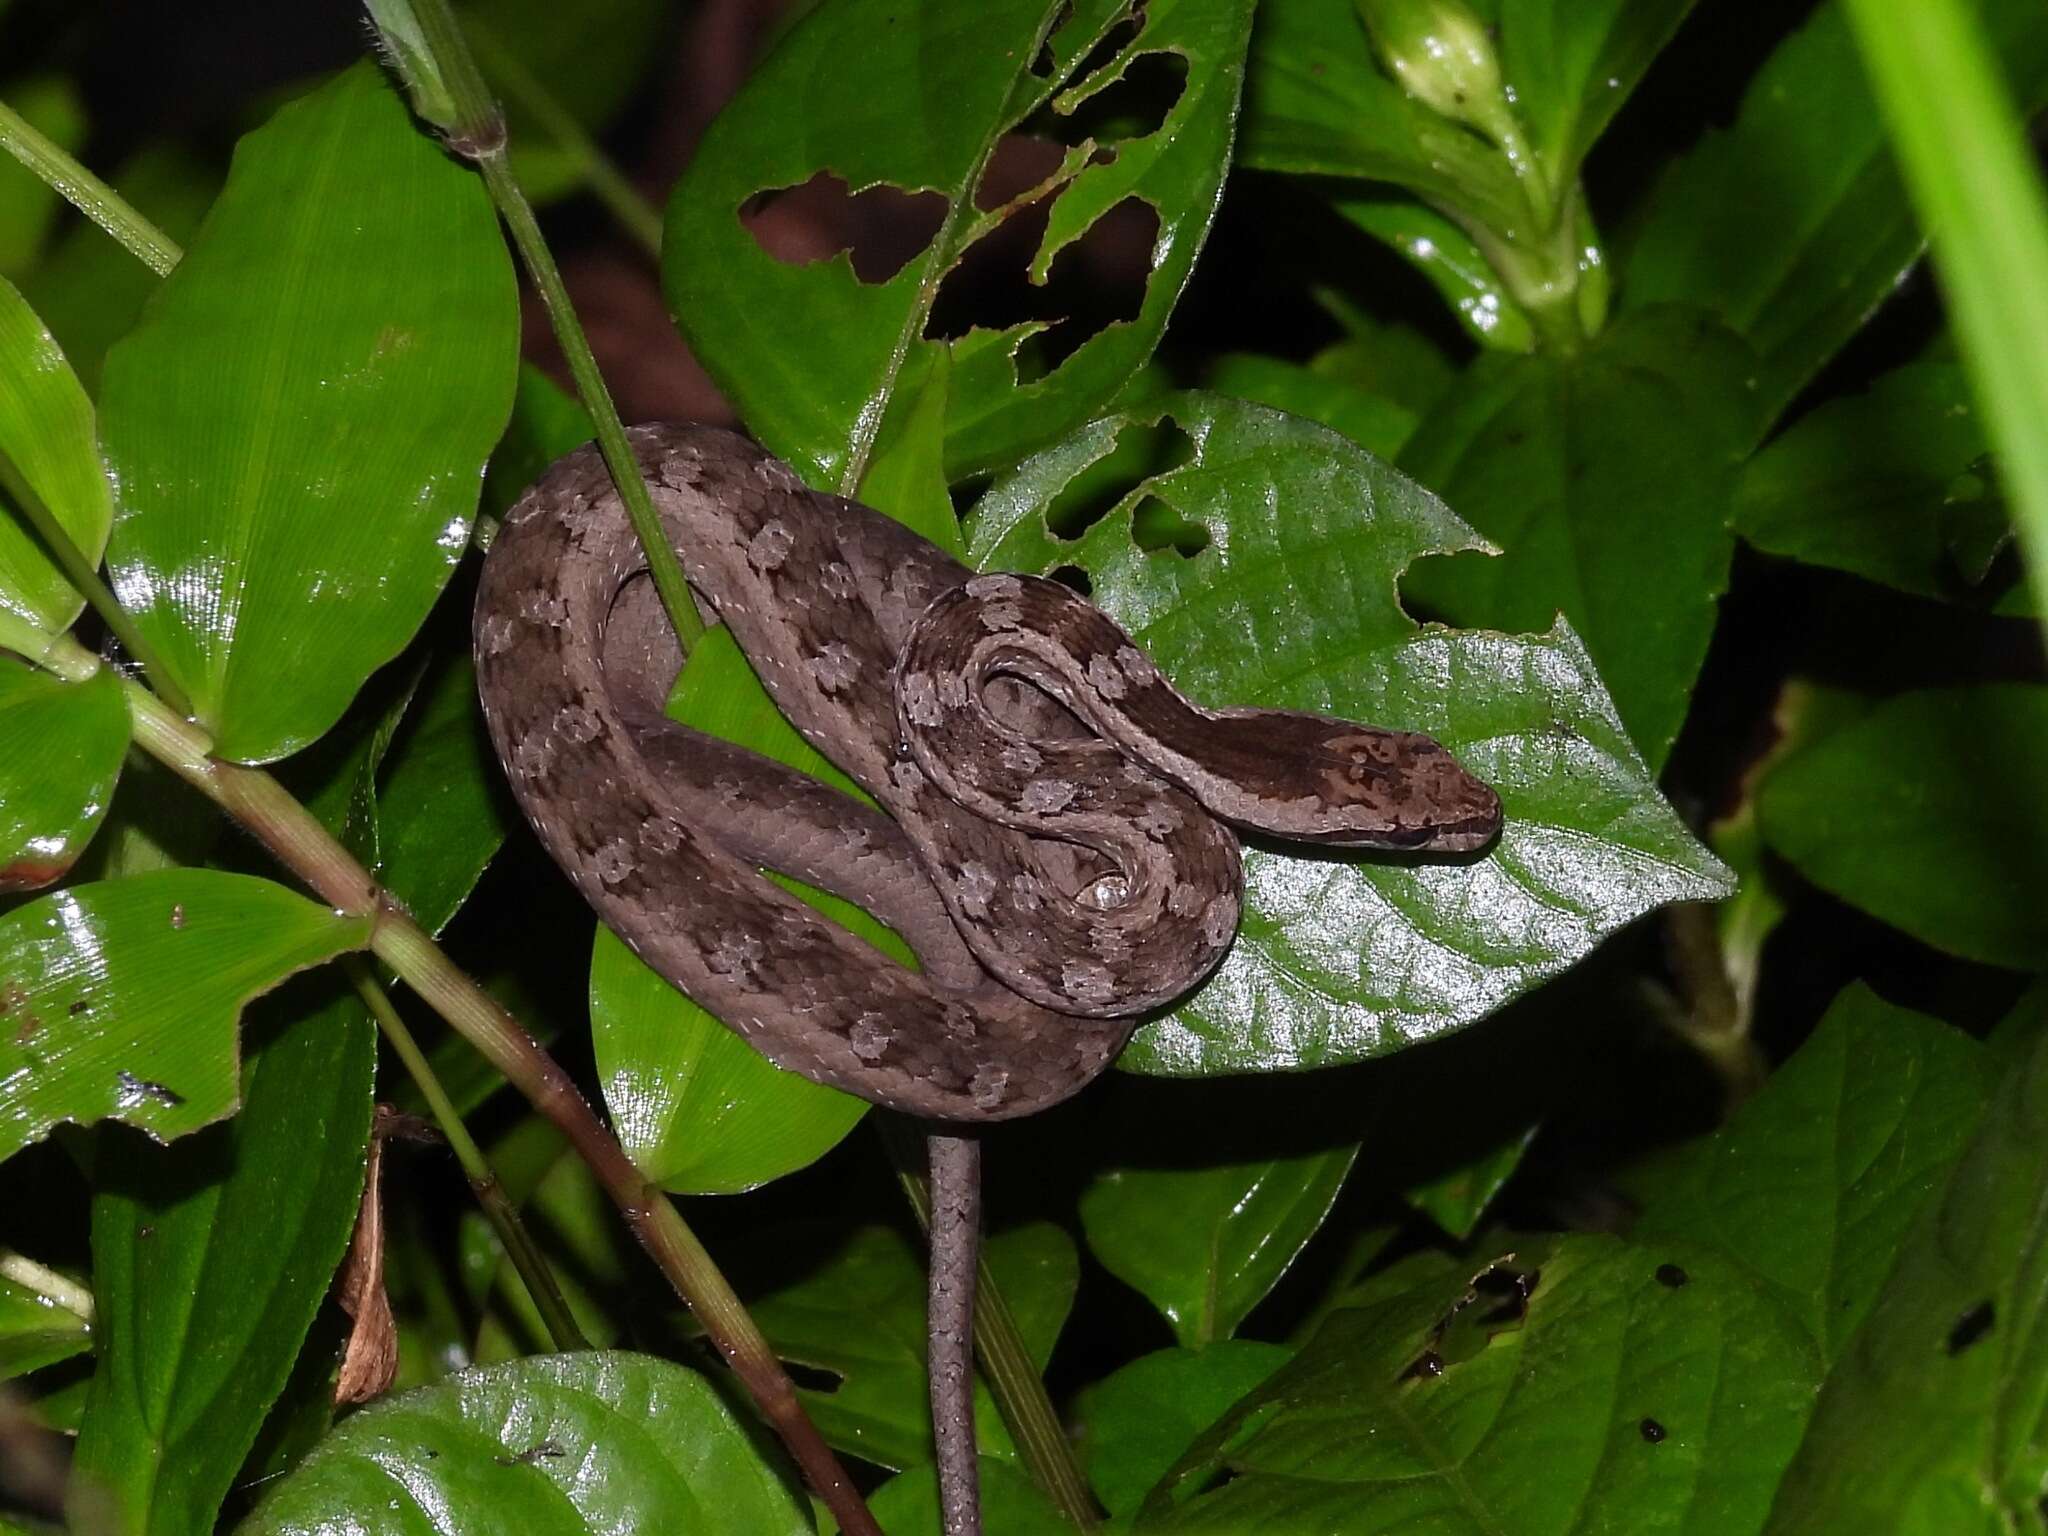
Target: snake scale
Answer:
[[1051, 838]]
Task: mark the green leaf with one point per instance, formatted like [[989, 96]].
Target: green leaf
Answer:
[[1572, 63], [1535, 1424], [1889, 484], [1934, 1423], [879, 1409], [1791, 225], [546, 424], [1926, 813], [36, 1331], [1204, 1244], [46, 438], [90, 288], [298, 425], [1011, 1504], [963, 74], [555, 1445], [1560, 461], [121, 998], [1136, 1421], [29, 205], [1453, 263], [210, 1260], [1814, 1183], [1291, 603], [1375, 423], [1316, 103], [66, 742], [1976, 184]]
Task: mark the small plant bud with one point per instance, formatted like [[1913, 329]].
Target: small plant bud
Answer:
[[1441, 55]]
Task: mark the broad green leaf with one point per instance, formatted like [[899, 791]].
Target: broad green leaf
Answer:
[[1136, 1421], [89, 289], [1925, 813], [1317, 103], [879, 1408], [298, 426], [1791, 225], [47, 444], [1572, 63], [210, 1260], [1292, 603], [36, 1331], [1814, 1183], [1375, 423], [1011, 1504], [29, 205], [1579, 468], [546, 424], [121, 999], [65, 745], [1934, 1423], [1394, 360], [1609, 1401], [1453, 263], [962, 73], [1889, 484], [1200, 1237], [555, 1445]]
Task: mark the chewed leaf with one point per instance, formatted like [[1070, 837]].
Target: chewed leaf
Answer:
[[1290, 601], [1008, 114], [119, 999]]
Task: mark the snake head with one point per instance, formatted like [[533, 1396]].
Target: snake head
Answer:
[[1398, 789]]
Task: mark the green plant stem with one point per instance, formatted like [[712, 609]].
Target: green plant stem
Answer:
[[1006, 1365], [635, 215], [82, 575], [502, 1214], [266, 810], [54, 1288], [87, 193], [1973, 178], [478, 135]]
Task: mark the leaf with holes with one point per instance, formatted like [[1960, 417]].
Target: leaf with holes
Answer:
[[1109, 117], [554, 1445], [1291, 602], [120, 999]]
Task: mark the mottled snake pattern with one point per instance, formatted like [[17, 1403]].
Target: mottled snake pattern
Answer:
[[1051, 839]]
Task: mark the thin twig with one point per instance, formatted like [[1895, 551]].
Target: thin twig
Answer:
[[87, 193]]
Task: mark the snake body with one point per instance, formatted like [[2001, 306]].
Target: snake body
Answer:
[[1048, 843]]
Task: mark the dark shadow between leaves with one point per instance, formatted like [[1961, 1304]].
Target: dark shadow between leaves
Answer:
[[882, 229]]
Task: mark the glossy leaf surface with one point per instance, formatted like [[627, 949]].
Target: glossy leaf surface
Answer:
[[124, 996], [1136, 1421], [298, 427], [47, 440], [554, 1445], [964, 73], [1923, 813], [35, 1331], [1291, 602], [210, 1260], [65, 742]]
